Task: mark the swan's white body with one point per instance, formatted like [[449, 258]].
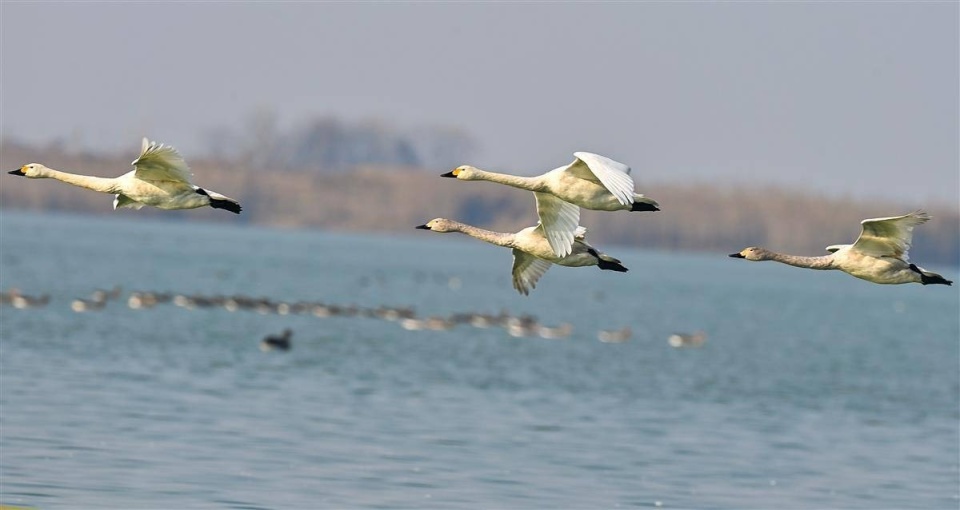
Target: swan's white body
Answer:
[[532, 254], [879, 255], [591, 181], [160, 178]]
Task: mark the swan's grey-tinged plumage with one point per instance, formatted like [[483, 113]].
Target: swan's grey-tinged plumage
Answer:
[[527, 271], [591, 181], [532, 253], [879, 255], [160, 178]]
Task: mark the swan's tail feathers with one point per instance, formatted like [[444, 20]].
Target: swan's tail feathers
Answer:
[[642, 203], [218, 201], [928, 278], [608, 263]]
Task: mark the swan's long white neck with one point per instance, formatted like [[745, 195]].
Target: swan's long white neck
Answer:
[[497, 238], [102, 184], [824, 262], [527, 183]]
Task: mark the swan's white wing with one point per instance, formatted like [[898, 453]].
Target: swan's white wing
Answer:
[[527, 270], [559, 220], [889, 237], [158, 162], [613, 175]]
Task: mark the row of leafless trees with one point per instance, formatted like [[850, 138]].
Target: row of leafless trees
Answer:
[[328, 144]]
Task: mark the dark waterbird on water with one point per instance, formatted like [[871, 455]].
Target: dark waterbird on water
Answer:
[[274, 342]]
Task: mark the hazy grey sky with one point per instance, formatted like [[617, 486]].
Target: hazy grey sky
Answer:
[[855, 98]]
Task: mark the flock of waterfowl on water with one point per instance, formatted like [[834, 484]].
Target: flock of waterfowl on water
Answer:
[[517, 326], [161, 178]]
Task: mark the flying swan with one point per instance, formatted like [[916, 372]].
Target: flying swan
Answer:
[[879, 255], [160, 178], [532, 255], [591, 181]]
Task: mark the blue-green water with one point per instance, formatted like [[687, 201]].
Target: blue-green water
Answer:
[[813, 390]]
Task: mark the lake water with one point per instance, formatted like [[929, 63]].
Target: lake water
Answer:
[[813, 389]]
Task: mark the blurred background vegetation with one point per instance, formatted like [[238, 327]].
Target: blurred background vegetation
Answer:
[[372, 177]]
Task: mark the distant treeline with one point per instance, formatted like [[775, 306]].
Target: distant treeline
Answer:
[[395, 199], [328, 144]]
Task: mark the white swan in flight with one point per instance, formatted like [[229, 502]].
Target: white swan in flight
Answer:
[[880, 254], [591, 181], [532, 254], [160, 178]]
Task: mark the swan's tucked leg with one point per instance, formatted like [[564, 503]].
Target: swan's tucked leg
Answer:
[[642, 203], [218, 201], [225, 204], [611, 265], [606, 262], [928, 278]]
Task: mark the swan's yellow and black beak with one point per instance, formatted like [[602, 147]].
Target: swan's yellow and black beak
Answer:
[[18, 171], [452, 173], [423, 227], [737, 255]]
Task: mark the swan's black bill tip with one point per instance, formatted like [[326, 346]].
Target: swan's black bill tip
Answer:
[[736, 256], [422, 227], [18, 171], [448, 174]]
